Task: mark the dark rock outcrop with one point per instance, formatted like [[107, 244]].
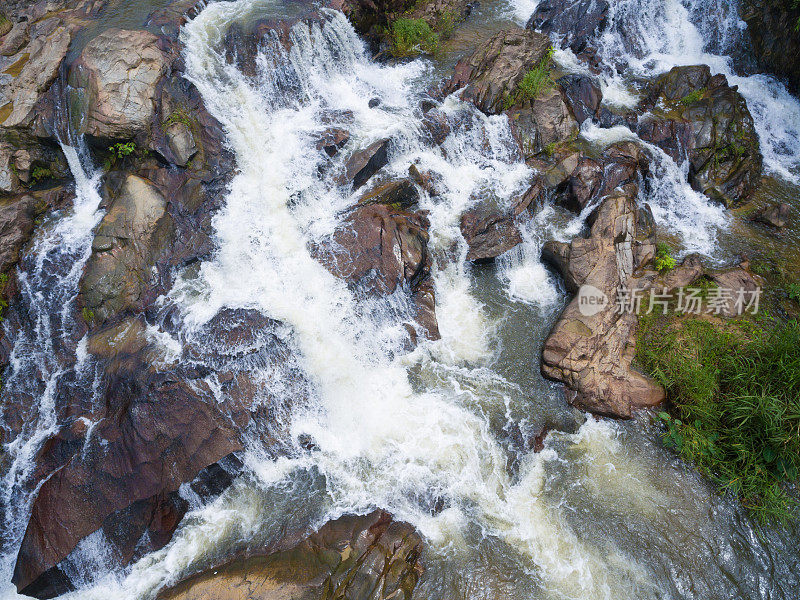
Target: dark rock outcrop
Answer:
[[364, 163], [379, 249], [352, 558], [772, 29], [582, 95], [488, 233], [698, 116]]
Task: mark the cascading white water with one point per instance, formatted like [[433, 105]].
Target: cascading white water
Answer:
[[379, 440], [48, 281]]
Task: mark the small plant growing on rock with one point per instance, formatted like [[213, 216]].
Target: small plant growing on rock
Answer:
[[88, 315], [664, 260], [793, 290], [410, 37], [120, 150], [39, 173], [692, 96], [534, 83]]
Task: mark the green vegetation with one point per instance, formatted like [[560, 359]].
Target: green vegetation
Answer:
[[692, 97], [793, 291], [534, 83], [39, 173], [663, 260], [445, 23], [179, 115], [410, 37], [88, 315], [734, 393]]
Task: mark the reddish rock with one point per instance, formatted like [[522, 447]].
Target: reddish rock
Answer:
[[489, 233]]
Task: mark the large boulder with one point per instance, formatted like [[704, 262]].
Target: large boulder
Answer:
[[157, 434], [699, 117], [379, 249], [127, 243], [38, 69], [368, 557], [540, 123], [115, 80], [591, 347], [772, 31], [492, 74]]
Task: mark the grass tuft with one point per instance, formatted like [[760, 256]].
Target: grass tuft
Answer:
[[534, 83], [663, 261]]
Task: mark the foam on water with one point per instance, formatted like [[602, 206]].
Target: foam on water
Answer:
[[48, 281]]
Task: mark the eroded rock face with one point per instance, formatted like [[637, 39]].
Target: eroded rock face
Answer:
[[496, 68], [117, 73], [46, 51], [127, 243], [378, 249], [582, 95], [700, 117], [592, 352], [772, 29], [362, 558]]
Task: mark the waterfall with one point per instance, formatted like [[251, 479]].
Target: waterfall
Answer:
[[603, 512], [46, 365]]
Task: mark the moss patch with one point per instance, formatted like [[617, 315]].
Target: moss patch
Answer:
[[410, 37]]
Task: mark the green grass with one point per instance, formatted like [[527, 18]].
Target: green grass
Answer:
[[793, 291], [734, 396], [692, 97], [663, 260], [88, 315], [410, 37], [534, 83], [39, 173]]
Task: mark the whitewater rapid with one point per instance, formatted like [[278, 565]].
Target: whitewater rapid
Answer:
[[600, 513]]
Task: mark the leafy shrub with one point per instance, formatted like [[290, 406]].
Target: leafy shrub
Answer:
[[735, 396], [120, 150], [410, 37], [87, 314], [663, 260]]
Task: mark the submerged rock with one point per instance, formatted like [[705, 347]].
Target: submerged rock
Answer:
[[698, 116], [352, 558], [776, 215]]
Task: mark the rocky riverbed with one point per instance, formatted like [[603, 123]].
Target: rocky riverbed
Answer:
[[289, 313]]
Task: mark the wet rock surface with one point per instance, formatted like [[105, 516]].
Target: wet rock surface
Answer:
[[577, 20], [772, 32], [488, 233], [591, 348], [698, 116], [371, 558], [496, 68]]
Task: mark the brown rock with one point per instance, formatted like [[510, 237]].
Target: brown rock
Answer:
[[363, 164], [775, 215], [489, 233], [402, 193], [362, 558], [119, 70], [496, 68], [128, 241], [591, 347]]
